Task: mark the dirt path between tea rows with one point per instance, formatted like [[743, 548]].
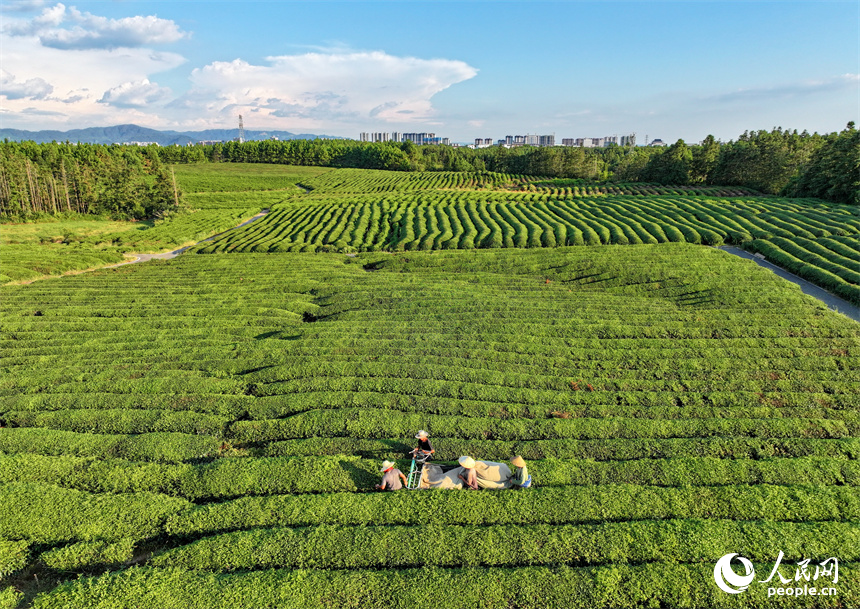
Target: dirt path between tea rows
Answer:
[[175, 253]]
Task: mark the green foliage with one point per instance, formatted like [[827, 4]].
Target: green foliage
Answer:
[[404, 217], [834, 169], [839, 279], [117, 421], [14, 556], [681, 586], [10, 597], [649, 541], [765, 160], [121, 181], [673, 403], [245, 178], [157, 446], [88, 554], [48, 514], [372, 423], [261, 476], [672, 166], [617, 449], [541, 505]]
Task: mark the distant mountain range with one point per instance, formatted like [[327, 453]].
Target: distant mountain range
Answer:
[[119, 134]]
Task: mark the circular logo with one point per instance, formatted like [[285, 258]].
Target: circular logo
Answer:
[[728, 580]]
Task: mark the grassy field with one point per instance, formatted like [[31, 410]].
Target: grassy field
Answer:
[[243, 177], [219, 197], [207, 431]]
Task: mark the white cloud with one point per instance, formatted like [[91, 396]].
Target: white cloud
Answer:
[[135, 94], [75, 68], [789, 90], [90, 31], [33, 88], [322, 88], [22, 6], [79, 80]]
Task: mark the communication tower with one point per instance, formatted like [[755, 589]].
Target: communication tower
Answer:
[[241, 130]]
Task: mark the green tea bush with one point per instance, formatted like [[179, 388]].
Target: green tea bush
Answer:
[[10, 597], [120, 421], [378, 423], [47, 514], [88, 554], [680, 586], [565, 505], [170, 447], [617, 449], [674, 541], [14, 556]]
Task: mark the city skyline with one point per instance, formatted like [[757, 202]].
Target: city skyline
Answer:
[[466, 70]]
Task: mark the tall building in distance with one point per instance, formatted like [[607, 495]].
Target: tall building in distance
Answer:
[[600, 142], [418, 138], [396, 136], [509, 141]]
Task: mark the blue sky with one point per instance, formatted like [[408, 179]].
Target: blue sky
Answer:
[[463, 70]]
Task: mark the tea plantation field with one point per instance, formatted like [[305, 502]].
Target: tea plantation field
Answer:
[[207, 431], [351, 210]]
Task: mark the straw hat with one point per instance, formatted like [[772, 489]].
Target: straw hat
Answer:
[[422, 434], [386, 465], [518, 461], [467, 462]]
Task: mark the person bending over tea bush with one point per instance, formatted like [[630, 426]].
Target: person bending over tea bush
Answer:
[[521, 477], [391, 479], [469, 476]]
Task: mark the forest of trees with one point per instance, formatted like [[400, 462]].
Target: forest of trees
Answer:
[[773, 162], [121, 182], [134, 182]]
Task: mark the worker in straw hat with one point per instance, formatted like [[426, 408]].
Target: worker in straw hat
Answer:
[[521, 477], [391, 477], [425, 449], [469, 476]]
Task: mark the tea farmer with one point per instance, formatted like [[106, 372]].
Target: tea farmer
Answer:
[[391, 477], [469, 476], [425, 449], [521, 477]]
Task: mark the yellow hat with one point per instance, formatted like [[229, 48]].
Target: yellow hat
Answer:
[[467, 462], [518, 461], [387, 465]]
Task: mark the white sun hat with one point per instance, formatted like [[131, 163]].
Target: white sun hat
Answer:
[[387, 465], [467, 462], [422, 434]]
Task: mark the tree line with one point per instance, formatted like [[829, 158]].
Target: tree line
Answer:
[[122, 182], [779, 161], [135, 182]]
